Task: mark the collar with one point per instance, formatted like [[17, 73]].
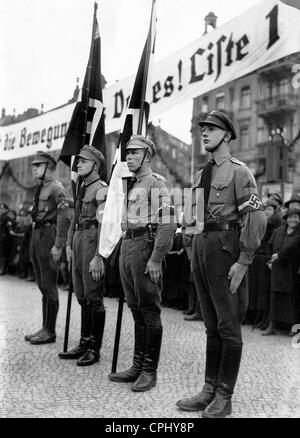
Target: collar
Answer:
[[220, 156], [140, 175], [48, 180]]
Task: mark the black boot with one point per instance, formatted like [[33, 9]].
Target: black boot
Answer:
[[92, 354], [77, 352], [213, 356], [220, 406], [148, 375], [133, 372], [44, 313], [47, 336]]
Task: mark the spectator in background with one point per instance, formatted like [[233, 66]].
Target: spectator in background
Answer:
[[283, 275], [259, 274], [276, 199], [4, 236]]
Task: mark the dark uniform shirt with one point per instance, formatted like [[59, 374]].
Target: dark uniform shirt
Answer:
[[53, 207], [234, 197], [91, 209], [149, 203]]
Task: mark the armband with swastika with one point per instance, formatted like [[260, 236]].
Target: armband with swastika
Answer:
[[63, 204], [250, 202]]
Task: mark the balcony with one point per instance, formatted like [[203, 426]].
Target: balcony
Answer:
[[277, 105]]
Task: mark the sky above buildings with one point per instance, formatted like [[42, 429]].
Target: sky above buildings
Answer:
[[44, 46]]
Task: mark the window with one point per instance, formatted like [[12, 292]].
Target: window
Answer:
[[245, 138], [245, 97], [284, 86], [204, 106], [174, 153], [220, 101]]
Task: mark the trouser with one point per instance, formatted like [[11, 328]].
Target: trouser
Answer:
[[46, 272], [143, 296], [87, 290], [213, 254]]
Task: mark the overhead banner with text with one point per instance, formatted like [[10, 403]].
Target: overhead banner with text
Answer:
[[265, 33]]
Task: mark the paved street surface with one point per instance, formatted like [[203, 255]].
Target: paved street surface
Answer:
[[34, 382]]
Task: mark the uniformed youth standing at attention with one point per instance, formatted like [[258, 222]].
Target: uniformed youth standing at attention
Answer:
[[234, 225], [50, 228], [87, 264], [148, 229]]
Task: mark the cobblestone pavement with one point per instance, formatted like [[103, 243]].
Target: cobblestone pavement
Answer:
[[34, 382]]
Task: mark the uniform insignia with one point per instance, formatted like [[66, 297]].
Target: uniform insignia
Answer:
[[236, 161], [249, 185], [63, 204], [252, 203]]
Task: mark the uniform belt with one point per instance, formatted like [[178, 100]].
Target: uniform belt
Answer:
[[220, 226], [87, 225], [131, 234], [41, 224]]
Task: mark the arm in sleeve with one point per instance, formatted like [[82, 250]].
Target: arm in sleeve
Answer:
[[166, 223], [62, 221], [100, 198], [253, 219]]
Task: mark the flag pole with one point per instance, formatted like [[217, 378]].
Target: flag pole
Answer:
[[145, 73], [89, 73], [74, 187], [139, 131]]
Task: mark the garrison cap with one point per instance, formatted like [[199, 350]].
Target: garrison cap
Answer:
[[93, 154], [43, 157], [220, 119], [141, 142]]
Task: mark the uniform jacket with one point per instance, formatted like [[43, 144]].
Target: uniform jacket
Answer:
[[53, 207], [233, 197], [149, 203], [91, 209]]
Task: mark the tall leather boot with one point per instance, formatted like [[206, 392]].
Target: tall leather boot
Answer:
[[47, 336], [213, 356], [132, 373], [86, 323], [92, 354], [148, 376], [44, 323], [221, 406]]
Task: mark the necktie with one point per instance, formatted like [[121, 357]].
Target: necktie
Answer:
[[36, 201], [81, 196], [130, 185], [206, 180]]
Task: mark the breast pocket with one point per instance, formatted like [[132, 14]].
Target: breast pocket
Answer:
[[89, 208], [219, 192], [46, 203]]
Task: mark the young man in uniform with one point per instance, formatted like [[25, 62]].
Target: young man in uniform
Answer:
[[87, 264], [234, 225], [50, 228], [148, 227]]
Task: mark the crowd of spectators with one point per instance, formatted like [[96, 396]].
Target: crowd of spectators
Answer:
[[274, 276]]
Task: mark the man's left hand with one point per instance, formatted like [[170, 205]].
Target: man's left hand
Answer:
[[154, 270], [236, 275], [97, 268], [56, 254]]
